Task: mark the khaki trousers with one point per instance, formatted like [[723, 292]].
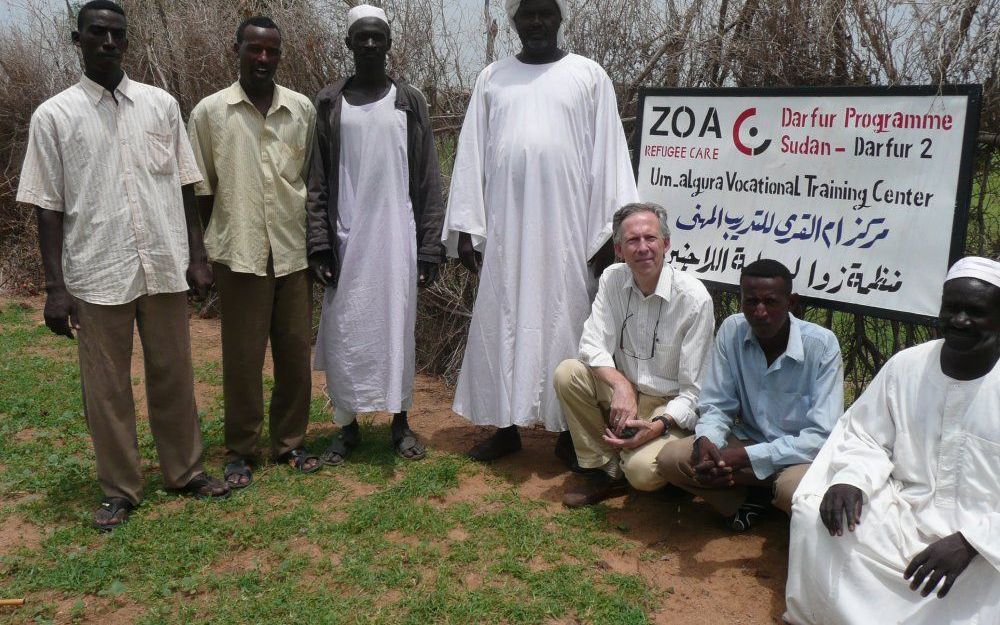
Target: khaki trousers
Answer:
[[586, 402], [255, 309], [105, 347], [675, 459]]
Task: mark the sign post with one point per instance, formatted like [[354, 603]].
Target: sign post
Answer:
[[863, 192]]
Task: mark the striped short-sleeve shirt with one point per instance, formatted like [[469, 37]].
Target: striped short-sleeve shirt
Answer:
[[114, 165]]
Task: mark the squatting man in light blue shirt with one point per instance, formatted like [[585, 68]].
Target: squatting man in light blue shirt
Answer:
[[773, 392]]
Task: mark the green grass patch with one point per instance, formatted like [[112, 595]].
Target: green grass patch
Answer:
[[376, 540], [209, 372]]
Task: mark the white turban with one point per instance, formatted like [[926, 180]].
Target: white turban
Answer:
[[365, 10], [513, 5], [976, 267]]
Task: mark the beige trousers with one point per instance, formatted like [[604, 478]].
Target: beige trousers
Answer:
[[586, 403], [674, 461], [105, 348], [255, 309]]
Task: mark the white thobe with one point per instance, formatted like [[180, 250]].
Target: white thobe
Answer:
[[365, 341], [925, 451], [542, 165]]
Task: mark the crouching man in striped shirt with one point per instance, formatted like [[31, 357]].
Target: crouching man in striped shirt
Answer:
[[643, 352], [111, 175]]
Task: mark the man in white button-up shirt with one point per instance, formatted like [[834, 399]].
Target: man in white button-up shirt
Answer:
[[110, 172], [642, 356]]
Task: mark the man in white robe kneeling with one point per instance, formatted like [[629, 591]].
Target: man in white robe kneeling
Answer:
[[912, 473], [375, 214]]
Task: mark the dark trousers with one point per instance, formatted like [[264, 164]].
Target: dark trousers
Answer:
[[254, 310]]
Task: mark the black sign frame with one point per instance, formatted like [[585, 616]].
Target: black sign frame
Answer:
[[963, 195]]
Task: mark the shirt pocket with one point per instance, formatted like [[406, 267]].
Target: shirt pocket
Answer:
[[666, 356], [292, 160], [160, 153], [979, 470]]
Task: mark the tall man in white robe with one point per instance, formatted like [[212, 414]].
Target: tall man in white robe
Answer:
[[914, 469], [374, 221], [541, 167]]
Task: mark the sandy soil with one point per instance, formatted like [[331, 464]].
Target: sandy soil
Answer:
[[708, 574]]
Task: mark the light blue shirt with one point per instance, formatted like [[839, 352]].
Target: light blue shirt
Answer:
[[785, 410]]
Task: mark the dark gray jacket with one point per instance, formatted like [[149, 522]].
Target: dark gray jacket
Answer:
[[324, 175]]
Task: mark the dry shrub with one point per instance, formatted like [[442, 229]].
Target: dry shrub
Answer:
[[184, 46]]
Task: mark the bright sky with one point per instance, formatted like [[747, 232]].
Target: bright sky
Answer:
[[14, 10], [466, 13]]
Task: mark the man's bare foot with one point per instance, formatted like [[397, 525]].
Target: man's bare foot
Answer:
[[238, 473], [506, 441], [300, 459], [342, 445], [404, 440]]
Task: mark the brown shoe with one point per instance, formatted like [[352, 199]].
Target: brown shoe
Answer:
[[598, 487]]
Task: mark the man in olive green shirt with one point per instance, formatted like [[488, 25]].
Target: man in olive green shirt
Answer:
[[251, 141]]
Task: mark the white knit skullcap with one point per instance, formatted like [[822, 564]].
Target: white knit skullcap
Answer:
[[976, 267], [513, 5], [365, 10]]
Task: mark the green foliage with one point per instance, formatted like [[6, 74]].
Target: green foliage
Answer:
[[375, 540]]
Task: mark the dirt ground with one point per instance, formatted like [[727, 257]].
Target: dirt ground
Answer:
[[709, 574]]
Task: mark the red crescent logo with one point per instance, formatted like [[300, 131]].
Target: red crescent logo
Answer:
[[745, 115]]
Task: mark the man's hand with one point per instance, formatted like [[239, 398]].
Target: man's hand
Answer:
[[471, 259], [645, 432], [710, 469], [321, 267], [60, 312], [199, 272], [200, 278], [427, 273], [946, 558], [841, 500], [623, 406], [735, 458]]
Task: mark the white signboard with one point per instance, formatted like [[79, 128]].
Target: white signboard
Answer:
[[862, 192]]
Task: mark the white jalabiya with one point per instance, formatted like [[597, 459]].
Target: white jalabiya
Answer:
[[925, 450], [541, 167], [365, 342]]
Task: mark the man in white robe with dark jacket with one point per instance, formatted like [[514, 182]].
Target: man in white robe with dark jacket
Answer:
[[912, 473], [374, 221], [541, 167]]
